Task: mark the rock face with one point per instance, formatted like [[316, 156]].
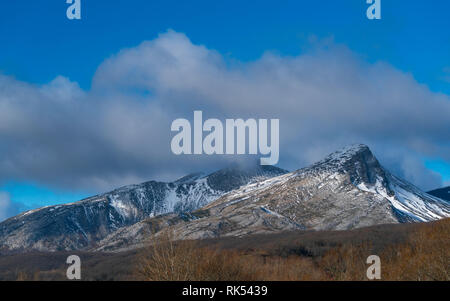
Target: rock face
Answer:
[[442, 193], [81, 224], [348, 189]]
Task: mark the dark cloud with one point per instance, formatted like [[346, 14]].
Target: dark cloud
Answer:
[[119, 132]]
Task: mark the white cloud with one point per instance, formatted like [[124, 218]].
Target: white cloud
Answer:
[[119, 132], [7, 208]]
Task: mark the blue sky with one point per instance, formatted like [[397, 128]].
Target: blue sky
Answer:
[[439, 166], [38, 43]]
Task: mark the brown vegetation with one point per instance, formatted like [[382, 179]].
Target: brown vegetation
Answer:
[[185, 260], [424, 256], [407, 252]]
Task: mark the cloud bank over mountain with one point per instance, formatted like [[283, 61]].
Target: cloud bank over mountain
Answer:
[[118, 132]]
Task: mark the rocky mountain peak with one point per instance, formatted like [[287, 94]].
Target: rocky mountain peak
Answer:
[[237, 175], [357, 161], [345, 154], [189, 178]]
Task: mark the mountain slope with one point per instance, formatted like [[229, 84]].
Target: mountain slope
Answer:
[[78, 225], [348, 189], [442, 193]]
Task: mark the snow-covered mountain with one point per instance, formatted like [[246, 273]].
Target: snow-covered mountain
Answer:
[[81, 224], [348, 189]]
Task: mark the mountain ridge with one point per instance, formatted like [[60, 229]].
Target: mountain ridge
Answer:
[[347, 189], [442, 193], [79, 224]]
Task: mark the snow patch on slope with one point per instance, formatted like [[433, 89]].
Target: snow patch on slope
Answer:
[[409, 200]]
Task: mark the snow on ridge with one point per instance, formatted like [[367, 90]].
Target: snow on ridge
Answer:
[[124, 210], [419, 203], [246, 191], [344, 153], [171, 200], [408, 199]]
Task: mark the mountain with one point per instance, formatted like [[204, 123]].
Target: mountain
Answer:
[[81, 224], [443, 193], [346, 190]]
